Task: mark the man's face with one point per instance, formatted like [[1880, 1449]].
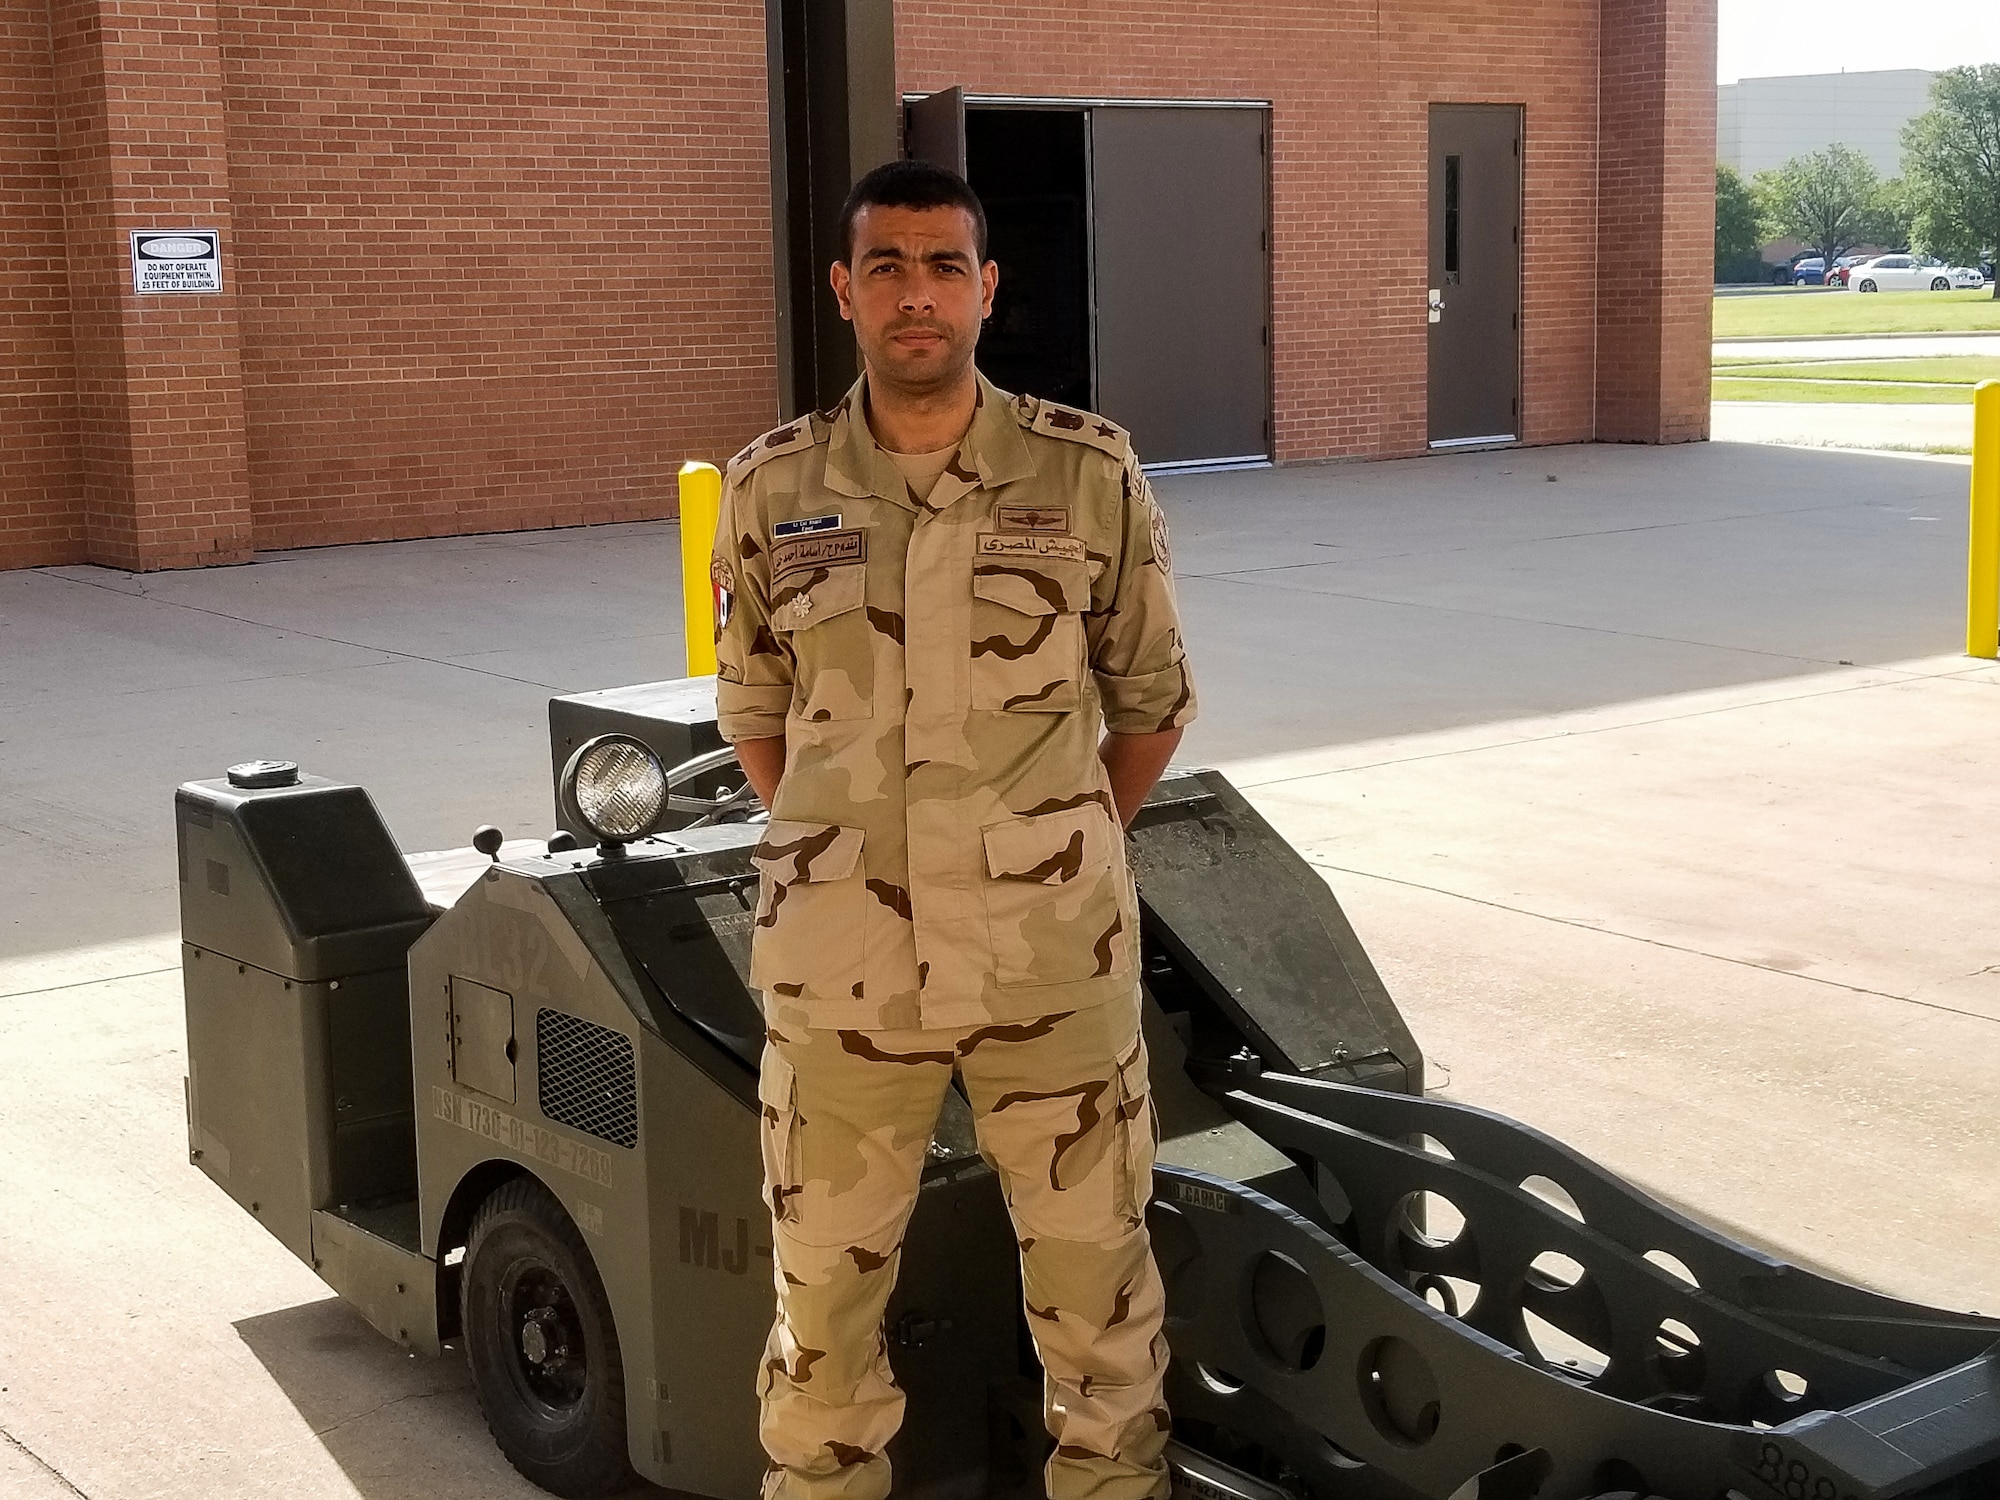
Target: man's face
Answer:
[[915, 293]]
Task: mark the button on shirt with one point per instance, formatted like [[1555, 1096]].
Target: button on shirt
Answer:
[[944, 849]]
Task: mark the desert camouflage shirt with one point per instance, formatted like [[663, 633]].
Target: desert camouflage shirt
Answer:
[[944, 850]]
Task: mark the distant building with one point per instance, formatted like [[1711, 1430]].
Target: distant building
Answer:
[[1764, 122]]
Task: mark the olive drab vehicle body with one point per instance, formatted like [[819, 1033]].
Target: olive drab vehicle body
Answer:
[[503, 1100]]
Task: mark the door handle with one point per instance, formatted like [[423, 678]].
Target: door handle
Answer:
[[1437, 305]]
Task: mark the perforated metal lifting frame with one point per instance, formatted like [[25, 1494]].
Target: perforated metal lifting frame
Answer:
[[1570, 1338]]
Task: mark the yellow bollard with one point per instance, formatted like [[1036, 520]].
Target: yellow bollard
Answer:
[[1982, 591], [701, 503]]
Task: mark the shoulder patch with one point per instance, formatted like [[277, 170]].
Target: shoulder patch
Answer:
[[1053, 419], [794, 437]]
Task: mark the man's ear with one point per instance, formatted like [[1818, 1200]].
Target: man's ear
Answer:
[[989, 278], [838, 275]]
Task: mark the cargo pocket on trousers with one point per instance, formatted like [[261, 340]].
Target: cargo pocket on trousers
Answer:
[[1137, 1132], [778, 1134], [811, 910], [1027, 634], [1052, 909]]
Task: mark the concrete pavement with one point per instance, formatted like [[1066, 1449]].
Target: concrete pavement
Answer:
[[1883, 425], [1647, 776]]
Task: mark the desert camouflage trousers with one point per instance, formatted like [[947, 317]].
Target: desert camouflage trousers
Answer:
[[1064, 1116]]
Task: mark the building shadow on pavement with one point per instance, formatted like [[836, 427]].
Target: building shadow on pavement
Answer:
[[401, 1426]]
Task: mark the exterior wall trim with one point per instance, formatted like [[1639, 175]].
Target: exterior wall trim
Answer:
[[1078, 101]]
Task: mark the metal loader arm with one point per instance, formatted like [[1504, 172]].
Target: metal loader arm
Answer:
[[1332, 1361]]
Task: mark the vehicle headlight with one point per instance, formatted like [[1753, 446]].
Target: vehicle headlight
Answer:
[[617, 788]]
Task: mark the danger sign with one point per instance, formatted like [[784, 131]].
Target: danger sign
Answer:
[[176, 260]]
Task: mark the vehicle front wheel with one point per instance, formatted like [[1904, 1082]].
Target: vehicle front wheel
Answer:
[[542, 1346], [1940, 284], [1867, 286]]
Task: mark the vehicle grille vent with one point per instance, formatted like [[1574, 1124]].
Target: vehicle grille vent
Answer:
[[585, 1077]]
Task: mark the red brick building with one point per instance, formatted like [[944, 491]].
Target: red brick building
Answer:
[[490, 267]]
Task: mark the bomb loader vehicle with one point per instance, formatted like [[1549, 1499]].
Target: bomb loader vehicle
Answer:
[[503, 1099]]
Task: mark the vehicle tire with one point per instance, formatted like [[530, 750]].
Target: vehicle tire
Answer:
[[542, 1345], [1940, 284], [1867, 285]]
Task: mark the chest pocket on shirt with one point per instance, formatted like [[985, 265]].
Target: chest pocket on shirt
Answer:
[[1027, 632], [821, 613]]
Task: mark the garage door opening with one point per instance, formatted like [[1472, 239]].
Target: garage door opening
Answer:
[[1029, 167], [1134, 251]]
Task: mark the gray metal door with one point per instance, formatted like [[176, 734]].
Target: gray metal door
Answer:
[[1182, 279], [937, 129], [1475, 273]]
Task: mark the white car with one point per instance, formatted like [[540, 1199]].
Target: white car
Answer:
[[1910, 273]]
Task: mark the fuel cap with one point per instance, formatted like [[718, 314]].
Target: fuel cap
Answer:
[[256, 774]]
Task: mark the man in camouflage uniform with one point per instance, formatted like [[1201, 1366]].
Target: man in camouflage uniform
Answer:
[[935, 596]]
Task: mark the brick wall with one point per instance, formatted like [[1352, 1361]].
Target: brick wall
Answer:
[[159, 397], [40, 481], [1350, 84], [503, 265], [497, 266], [487, 267], [1657, 220]]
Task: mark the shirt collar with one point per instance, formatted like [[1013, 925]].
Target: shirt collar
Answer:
[[992, 448]]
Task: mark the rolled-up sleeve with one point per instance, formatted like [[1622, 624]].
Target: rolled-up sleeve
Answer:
[[753, 671], [1136, 652]]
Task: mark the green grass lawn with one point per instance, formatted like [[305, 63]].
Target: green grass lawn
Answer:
[[1789, 314], [1947, 370], [1739, 389]]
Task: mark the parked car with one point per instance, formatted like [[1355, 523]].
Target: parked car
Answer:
[[1809, 270], [1842, 268], [1907, 273]]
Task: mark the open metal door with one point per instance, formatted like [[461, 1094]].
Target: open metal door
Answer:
[[1182, 279], [1475, 274], [937, 129]]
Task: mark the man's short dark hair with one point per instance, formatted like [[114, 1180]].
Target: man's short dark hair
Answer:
[[911, 184]]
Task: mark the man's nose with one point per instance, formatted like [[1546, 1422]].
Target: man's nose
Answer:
[[917, 298]]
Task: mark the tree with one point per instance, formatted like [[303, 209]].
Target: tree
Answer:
[[1737, 240], [1830, 200], [1951, 164]]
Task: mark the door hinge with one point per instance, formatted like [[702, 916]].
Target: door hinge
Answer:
[[1517, 322], [1267, 335]]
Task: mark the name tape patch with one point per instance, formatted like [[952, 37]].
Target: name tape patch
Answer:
[[807, 526], [826, 550], [1032, 517], [537, 1141], [1010, 544]]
